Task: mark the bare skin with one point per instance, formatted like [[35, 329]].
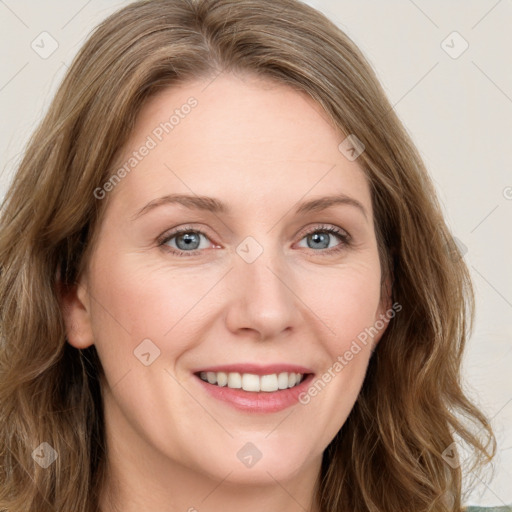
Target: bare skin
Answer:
[[262, 149]]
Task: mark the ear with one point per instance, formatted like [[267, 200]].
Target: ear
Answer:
[[75, 308]]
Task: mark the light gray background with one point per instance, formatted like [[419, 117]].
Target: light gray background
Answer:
[[457, 110]]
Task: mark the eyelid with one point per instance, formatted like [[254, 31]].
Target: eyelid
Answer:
[[324, 226]]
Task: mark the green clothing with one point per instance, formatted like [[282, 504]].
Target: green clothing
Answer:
[[506, 508]]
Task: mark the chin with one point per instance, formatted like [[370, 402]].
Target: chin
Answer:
[[259, 463]]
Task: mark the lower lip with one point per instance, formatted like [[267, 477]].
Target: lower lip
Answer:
[[263, 401]]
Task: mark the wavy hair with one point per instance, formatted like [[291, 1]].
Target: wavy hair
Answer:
[[389, 455]]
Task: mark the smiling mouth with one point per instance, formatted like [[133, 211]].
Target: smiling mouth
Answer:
[[253, 383]]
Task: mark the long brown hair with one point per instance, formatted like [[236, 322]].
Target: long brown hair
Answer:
[[390, 455]]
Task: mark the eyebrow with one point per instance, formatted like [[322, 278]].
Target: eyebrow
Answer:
[[214, 205]]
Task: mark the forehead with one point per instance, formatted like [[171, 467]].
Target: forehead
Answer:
[[244, 138]]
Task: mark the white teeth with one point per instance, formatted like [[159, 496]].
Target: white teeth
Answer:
[[269, 383], [222, 379], [250, 382], [253, 383], [234, 381], [282, 380]]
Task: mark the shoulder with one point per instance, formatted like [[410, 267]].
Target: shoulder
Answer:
[[506, 508]]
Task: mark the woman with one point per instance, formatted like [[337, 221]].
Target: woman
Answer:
[[260, 367]]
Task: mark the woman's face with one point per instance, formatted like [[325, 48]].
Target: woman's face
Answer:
[[257, 281]]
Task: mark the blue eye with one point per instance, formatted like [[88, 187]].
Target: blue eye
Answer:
[[187, 240], [321, 235]]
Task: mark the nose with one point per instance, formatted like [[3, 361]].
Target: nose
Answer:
[[262, 298]]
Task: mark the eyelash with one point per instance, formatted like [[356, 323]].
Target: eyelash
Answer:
[[343, 235]]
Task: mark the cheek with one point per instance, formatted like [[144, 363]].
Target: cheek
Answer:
[[346, 299], [136, 301], [347, 303], [355, 303]]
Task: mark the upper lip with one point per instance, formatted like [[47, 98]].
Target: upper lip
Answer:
[[256, 369]]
